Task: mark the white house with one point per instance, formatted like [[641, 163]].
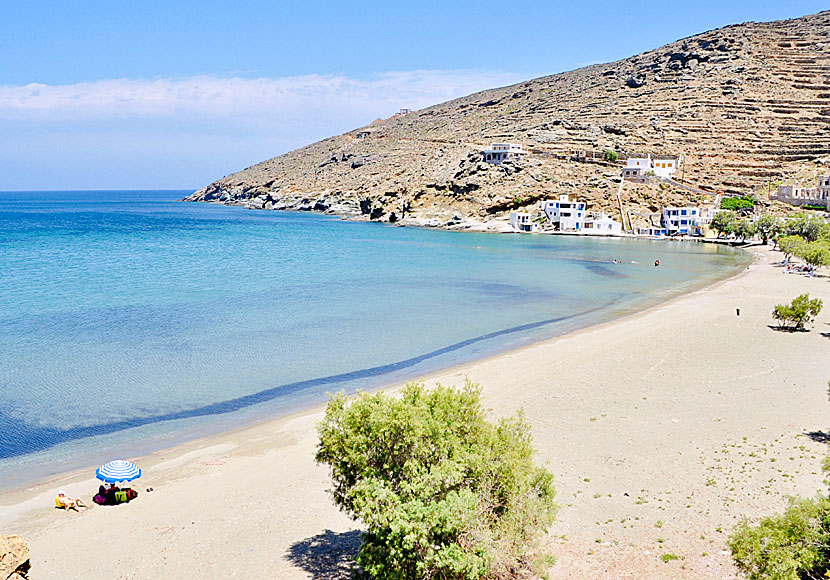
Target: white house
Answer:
[[601, 224], [662, 166], [642, 163], [680, 220], [499, 152], [521, 221], [566, 214]]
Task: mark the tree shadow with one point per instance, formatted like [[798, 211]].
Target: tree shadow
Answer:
[[819, 436], [327, 556], [788, 329]]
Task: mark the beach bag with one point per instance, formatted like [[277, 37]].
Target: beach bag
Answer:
[[99, 499], [131, 494], [121, 497]]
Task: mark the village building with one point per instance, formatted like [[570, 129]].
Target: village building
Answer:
[[798, 196], [566, 214], [639, 168], [680, 220], [601, 224], [499, 152], [652, 231], [521, 221]]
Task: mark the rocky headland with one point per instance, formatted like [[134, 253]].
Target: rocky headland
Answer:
[[746, 106]]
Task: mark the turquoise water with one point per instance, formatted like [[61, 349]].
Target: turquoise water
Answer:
[[130, 321]]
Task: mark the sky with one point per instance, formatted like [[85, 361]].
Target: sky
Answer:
[[176, 94]]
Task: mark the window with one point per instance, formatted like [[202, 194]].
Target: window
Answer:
[[682, 212]]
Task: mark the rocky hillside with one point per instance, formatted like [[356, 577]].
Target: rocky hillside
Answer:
[[747, 106]]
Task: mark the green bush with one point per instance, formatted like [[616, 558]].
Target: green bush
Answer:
[[736, 203], [610, 155], [792, 546], [443, 492], [800, 312]]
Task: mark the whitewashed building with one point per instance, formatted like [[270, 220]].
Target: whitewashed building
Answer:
[[499, 152], [680, 220], [663, 166], [522, 222], [565, 213], [601, 224]]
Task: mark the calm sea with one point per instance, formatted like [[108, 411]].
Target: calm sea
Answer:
[[131, 322]]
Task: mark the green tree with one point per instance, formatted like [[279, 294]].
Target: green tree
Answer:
[[816, 254], [792, 546], [809, 227], [724, 223], [610, 155], [766, 227], [800, 312], [443, 492], [789, 244], [744, 229]]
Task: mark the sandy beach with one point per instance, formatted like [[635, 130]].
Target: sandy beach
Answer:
[[663, 430]]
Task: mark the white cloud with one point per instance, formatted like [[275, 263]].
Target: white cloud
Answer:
[[165, 132], [204, 95]]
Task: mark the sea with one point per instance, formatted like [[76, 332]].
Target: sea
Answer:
[[130, 321]]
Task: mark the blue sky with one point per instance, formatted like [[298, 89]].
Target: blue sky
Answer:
[[177, 94]]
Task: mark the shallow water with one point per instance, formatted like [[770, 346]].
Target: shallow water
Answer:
[[130, 321]]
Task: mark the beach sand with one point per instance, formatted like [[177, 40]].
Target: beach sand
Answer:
[[663, 430]]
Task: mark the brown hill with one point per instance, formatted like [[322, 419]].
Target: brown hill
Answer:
[[746, 106]]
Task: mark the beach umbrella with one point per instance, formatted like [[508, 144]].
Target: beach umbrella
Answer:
[[118, 470]]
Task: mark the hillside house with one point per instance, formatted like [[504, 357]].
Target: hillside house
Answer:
[[798, 196], [663, 166], [499, 152], [522, 222], [565, 214]]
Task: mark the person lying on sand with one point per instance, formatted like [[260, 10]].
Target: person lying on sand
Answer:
[[69, 503]]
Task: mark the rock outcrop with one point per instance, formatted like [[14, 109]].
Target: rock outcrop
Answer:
[[746, 106], [14, 558]]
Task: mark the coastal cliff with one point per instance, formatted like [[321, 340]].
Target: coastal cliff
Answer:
[[746, 106]]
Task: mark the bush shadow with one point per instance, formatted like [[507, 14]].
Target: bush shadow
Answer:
[[329, 555]]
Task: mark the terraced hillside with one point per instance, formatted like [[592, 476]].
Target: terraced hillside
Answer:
[[746, 106]]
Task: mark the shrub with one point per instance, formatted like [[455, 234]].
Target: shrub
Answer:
[[792, 546], [610, 155], [668, 557], [736, 203], [442, 492], [798, 313]]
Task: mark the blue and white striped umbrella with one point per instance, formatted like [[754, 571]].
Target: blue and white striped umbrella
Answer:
[[118, 470]]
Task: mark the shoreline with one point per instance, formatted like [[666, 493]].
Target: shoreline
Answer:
[[199, 432], [631, 442]]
